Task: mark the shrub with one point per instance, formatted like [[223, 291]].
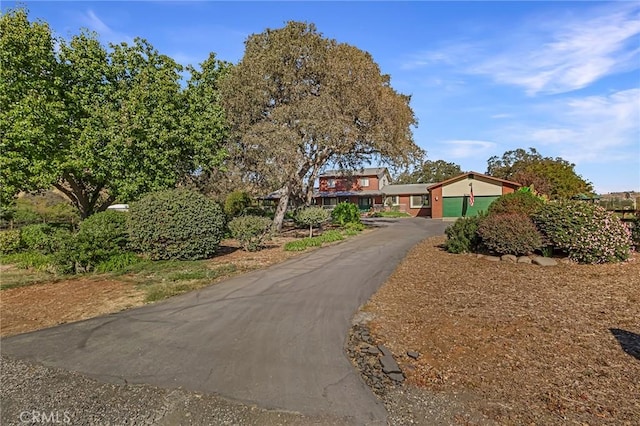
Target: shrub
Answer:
[[303, 244], [345, 213], [354, 226], [236, 203], [176, 224], [37, 238], [634, 227], [312, 216], [509, 233], [585, 231], [520, 202], [331, 236], [10, 241], [250, 231], [462, 235]]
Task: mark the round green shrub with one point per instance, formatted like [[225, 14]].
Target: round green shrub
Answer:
[[236, 203], [462, 235], [520, 202], [10, 241], [509, 233], [176, 224], [250, 231], [345, 213], [37, 238], [585, 231], [312, 216]]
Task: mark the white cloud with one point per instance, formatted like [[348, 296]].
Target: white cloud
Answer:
[[592, 129], [458, 149], [551, 56], [93, 22]]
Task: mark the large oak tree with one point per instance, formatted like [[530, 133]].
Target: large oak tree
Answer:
[[298, 102], [430, 171], [553, 177]]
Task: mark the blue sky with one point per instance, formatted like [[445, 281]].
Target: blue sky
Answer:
[[485, 77]]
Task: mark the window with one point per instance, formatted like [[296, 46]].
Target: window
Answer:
[[392, 200], [329, 201], [364, 202], [419, 201], [331, 183], [364, 181]]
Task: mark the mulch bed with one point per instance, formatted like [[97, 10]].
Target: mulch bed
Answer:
[[534, 345]]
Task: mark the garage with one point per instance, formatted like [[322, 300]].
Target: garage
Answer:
[[468, 194]]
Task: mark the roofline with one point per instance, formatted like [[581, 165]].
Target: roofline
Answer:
[[462, 176]]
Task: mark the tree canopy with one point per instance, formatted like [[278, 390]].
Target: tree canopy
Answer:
[[100, 124], [298, 102], [429, 171], [553, 177]]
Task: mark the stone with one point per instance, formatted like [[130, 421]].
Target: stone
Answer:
[[524, 259], [413, 354], [508, 258], [384, 351], [479, 256], [567, 261], [396, 377], [389, 365], [371, 350], [544, 261], [492, 258]]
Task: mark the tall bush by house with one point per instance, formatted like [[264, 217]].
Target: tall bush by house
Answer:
[[9, 241], [176, 224], [521, 202], [586, 232], [462, 235], [250, 231], [312, 216], [345, 213], [509, 233]]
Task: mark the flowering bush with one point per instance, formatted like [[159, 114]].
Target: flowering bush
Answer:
[[586, 232], [509, 233]]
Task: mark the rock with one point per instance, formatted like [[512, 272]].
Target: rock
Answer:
[[524, 259], [371, 350], [544, 261], [384, 351], [389, 365], [396, 377], [567, 261], [492, 258], [413, 354], [479, 256], [508, 258]]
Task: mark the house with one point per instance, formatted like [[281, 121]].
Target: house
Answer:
[[370, 189], [467, 194]]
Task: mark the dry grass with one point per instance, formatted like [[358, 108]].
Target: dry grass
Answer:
[[536, 345]]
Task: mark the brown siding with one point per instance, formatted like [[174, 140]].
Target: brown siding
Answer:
[[507, 189], [348, 183], [436, 203]]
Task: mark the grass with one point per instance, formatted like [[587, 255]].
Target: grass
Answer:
[[326, 237], [392, 213]]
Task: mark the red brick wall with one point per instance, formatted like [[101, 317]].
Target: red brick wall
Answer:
[[436, 203], [348, 184]]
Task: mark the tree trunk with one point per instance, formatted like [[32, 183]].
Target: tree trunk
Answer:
[[283, 203], [310, 231]]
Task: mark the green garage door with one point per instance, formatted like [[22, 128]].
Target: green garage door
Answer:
[[459, 206]]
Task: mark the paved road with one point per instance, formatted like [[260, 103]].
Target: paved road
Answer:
[[274, 338]]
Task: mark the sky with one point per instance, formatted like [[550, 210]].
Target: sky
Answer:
[[484, 77]]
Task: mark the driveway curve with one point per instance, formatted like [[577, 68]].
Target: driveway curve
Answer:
[[274, 338]]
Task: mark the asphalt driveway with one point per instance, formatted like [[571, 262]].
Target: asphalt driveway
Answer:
[[274, 338]]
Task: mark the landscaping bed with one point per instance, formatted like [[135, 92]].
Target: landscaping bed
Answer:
[[525, 344]]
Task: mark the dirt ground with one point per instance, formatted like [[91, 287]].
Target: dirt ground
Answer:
[[525, 344], [33, 307]]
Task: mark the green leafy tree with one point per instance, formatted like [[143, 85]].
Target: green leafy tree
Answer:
[[298, 102], [313, 216], [430, 172], [100, 124], [553, 177], [32, 110]]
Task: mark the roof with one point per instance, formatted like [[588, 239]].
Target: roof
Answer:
[[410, 188], [366, 192], [370, 171], [467, 174]]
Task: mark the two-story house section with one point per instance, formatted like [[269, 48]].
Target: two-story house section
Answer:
[[363, 188]]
